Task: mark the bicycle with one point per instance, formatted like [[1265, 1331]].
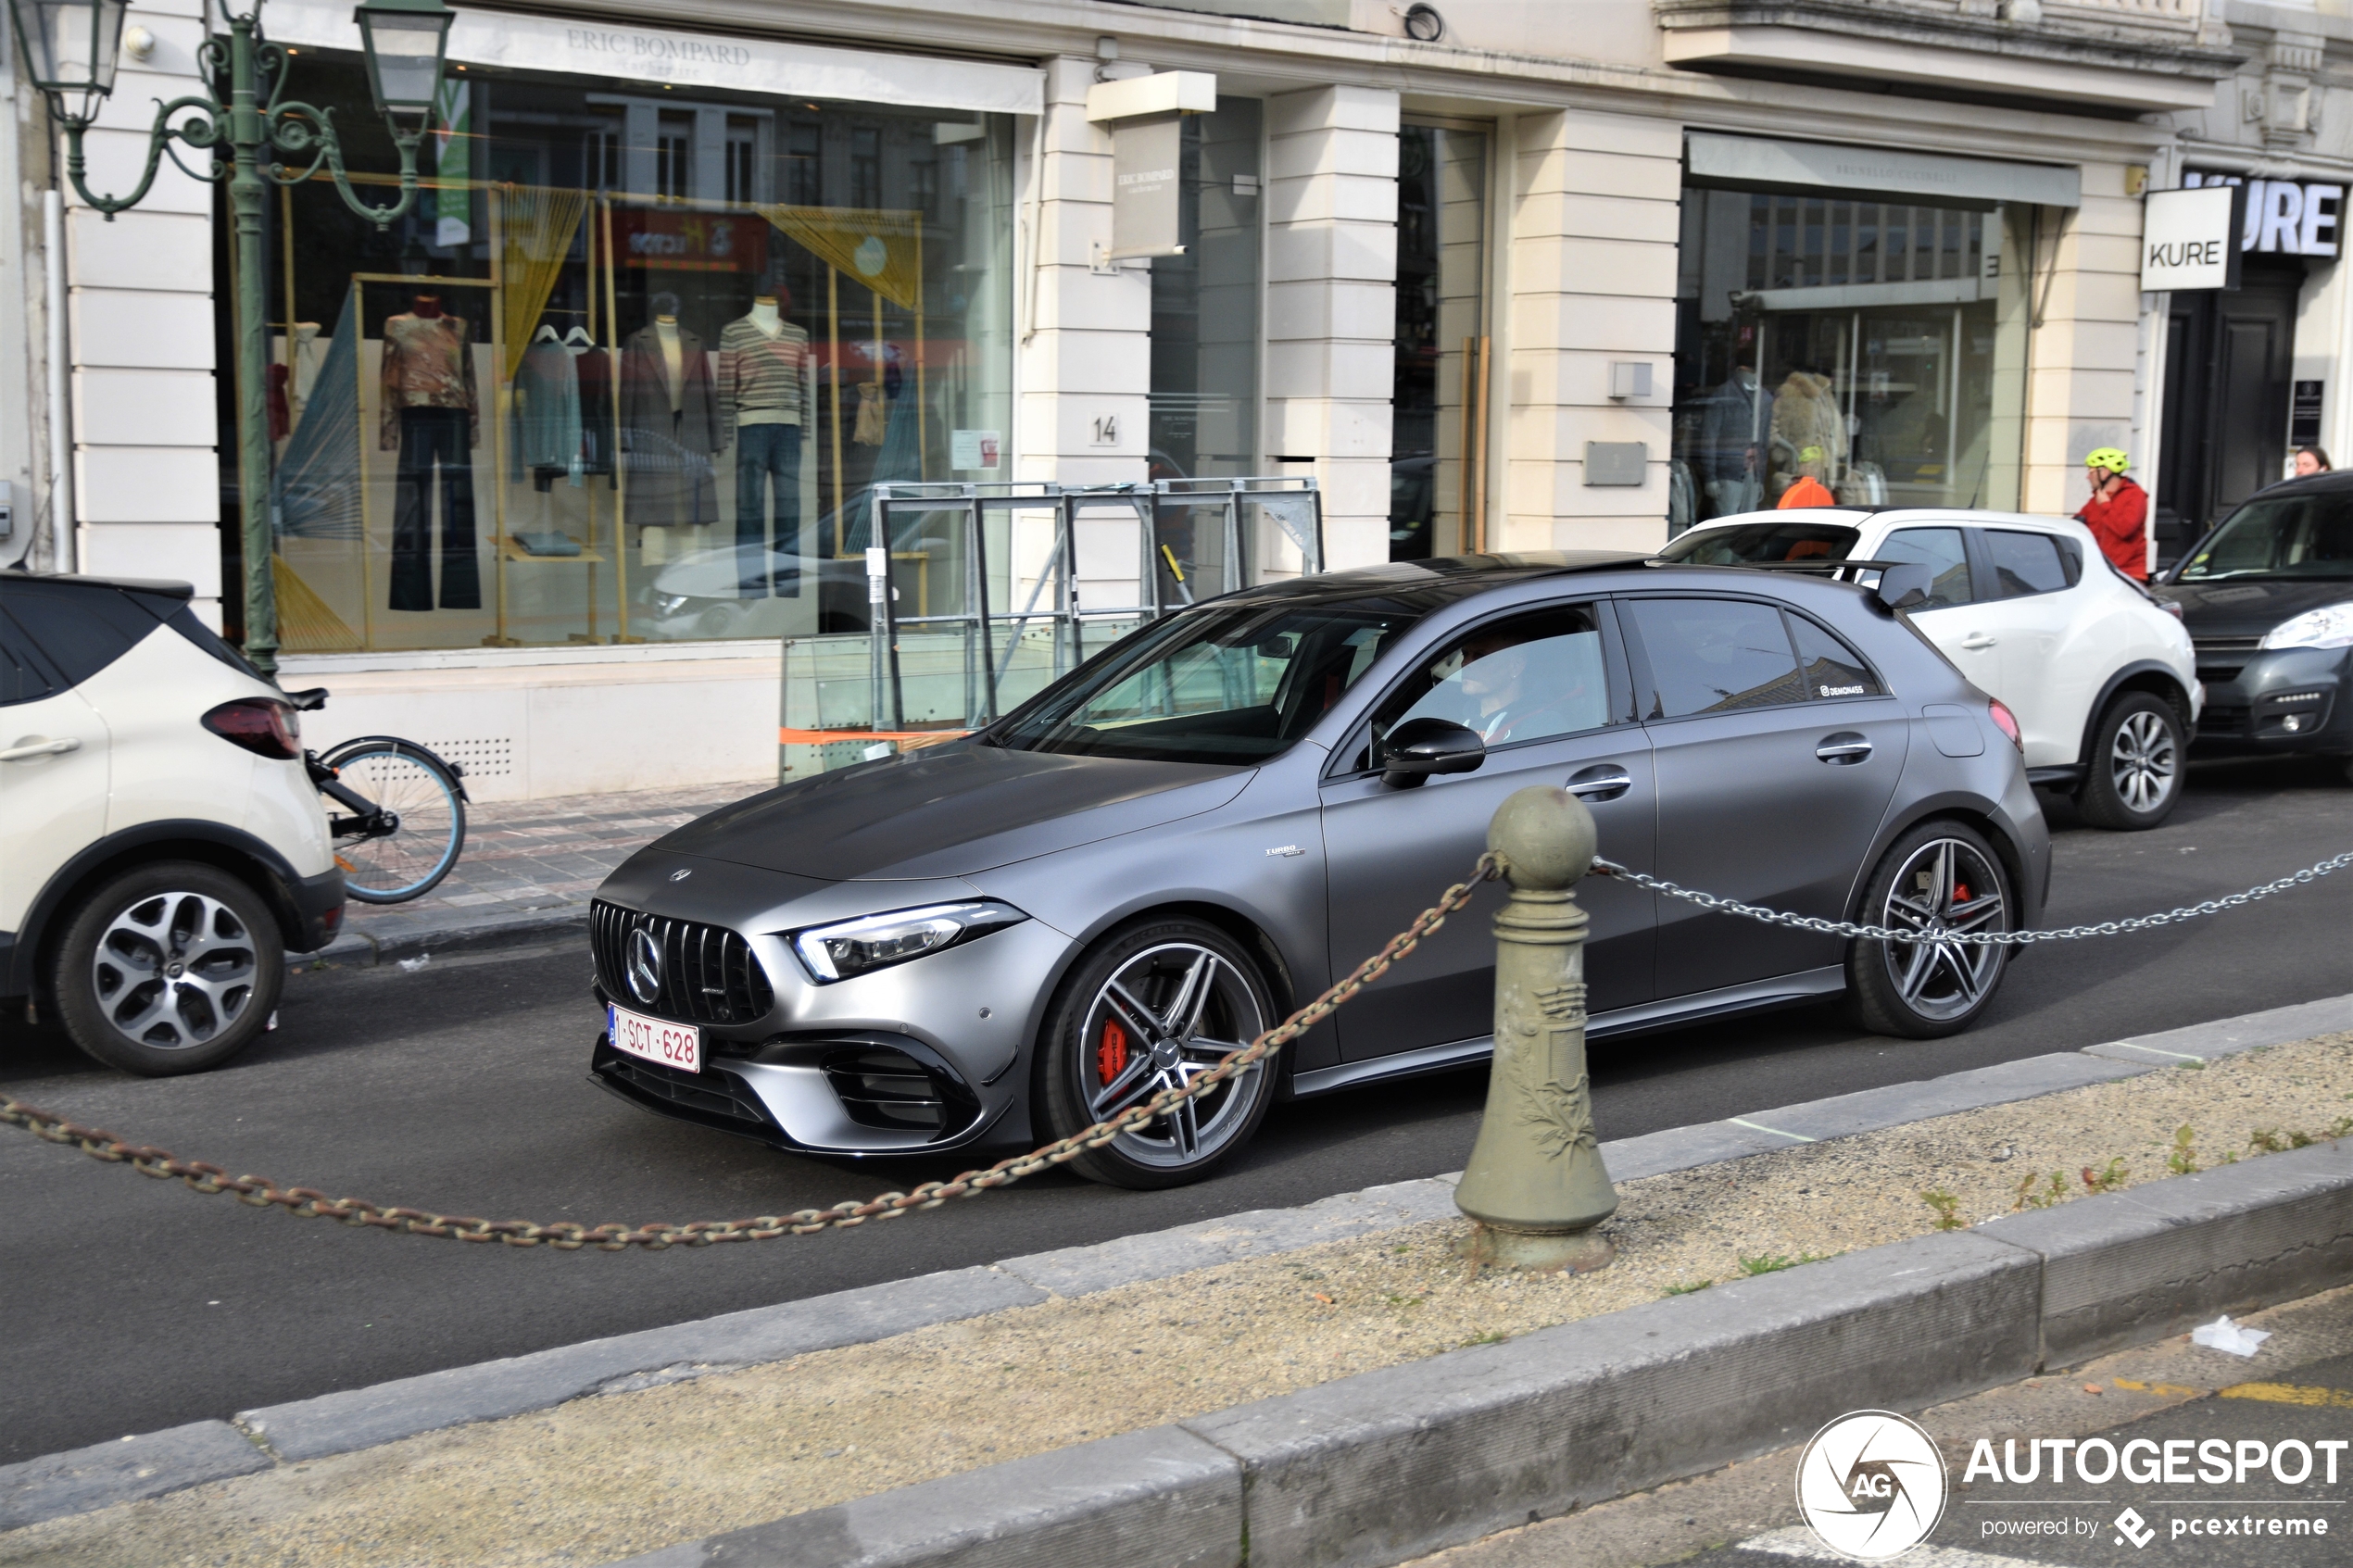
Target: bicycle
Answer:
[[405, 832]]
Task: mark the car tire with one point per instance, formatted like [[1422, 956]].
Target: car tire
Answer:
[[1924, 990], [2132, 773], [1149, 1006], [171, 968]]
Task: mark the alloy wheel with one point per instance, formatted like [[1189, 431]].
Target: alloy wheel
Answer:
[[1168, 1015], [2143, 761], [1944, 887], [173, 970]]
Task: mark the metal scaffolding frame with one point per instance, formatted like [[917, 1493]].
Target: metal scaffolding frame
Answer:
[[1293, 505]]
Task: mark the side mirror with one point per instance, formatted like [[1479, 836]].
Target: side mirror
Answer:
[[1419, 747], [1903, 586]]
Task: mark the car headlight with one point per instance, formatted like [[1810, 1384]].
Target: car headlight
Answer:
[[2331, 626], [669, 604], [855, 947]]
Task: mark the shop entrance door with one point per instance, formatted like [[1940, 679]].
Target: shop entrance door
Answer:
[[2228, 363]]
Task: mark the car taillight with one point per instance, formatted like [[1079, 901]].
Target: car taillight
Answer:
[[2007, 720], [263, 727]]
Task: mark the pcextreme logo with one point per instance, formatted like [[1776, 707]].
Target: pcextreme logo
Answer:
[[1871, 1485]]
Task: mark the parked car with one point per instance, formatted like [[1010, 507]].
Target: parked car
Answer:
[[161, 846], [2100, 673], [2267, 598], [1013, 936]]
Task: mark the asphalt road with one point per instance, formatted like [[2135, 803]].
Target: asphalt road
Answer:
[[130, 1305]]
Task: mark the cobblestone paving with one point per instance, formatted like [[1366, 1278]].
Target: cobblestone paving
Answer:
[[541, 857]]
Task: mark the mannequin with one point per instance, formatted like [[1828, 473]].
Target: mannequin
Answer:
[[764, 371], [670, 426], [432, 418], [1734, 431]]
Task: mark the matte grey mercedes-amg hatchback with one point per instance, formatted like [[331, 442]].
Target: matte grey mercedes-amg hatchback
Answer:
[[1013, 936]]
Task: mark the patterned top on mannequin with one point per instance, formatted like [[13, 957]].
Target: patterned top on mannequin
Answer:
[[428, 363]]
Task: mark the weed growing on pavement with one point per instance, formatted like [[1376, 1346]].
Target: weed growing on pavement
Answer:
[[2182, 1161], [1490, 1338], [1694, 1289], [2029, 1197], [1948, 1208], [1773, 1262], [2107, 1178]]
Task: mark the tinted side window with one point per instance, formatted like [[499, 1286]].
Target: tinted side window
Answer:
[[1528, 678], [2025, 563], [81, 630], [24, 676], [1940, 550], [1713, 655], [183, 620], [1829, 667]]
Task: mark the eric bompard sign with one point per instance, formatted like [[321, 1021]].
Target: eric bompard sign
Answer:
[[2188, 239]]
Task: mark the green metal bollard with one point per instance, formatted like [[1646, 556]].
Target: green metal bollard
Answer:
[[1536, 1187]]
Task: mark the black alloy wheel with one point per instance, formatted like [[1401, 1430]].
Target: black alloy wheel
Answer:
[[2132, 777], [1151, 1008], [171, 967], [1941, 878]]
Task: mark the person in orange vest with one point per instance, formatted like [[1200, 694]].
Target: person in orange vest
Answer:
[[1807, 492], [2118, 513]]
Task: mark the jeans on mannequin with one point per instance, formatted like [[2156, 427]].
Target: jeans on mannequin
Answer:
[[431, 438], [768, 457]]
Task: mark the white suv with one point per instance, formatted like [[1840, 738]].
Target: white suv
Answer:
[[2100, 676], [161, 845]]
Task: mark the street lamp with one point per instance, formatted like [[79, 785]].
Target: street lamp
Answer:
[[70, 49]]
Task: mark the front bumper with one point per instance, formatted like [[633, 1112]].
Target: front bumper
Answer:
[[922, 1057], [2276, 701]]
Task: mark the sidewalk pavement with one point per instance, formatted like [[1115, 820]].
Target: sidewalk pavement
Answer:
[[530, 865]]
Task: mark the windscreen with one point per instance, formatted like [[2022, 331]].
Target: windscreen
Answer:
[[1744, 544], [2305, 535], [1225, 683]]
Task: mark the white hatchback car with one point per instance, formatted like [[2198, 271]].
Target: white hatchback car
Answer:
[[161, 844], [2099, 675]]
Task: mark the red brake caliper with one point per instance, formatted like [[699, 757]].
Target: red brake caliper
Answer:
[[1111, 1052]]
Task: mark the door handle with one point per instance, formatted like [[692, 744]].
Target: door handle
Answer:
[[1842, 749], [1978, 640], [1607, 782], [27, 749]]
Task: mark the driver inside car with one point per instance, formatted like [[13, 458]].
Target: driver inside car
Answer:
[[1515, 687]]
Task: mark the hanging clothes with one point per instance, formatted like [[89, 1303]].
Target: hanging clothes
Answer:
[[547, 416], [593, 370], [669, 435]]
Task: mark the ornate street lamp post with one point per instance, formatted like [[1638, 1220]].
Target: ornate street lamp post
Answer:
[[244, 123]]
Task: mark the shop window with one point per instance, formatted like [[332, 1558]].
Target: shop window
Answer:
[[1875, 348], [623, 374], [1438, 395]]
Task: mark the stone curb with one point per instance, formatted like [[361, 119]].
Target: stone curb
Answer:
[[1391, 1465], [360, 1418], [365, 949]]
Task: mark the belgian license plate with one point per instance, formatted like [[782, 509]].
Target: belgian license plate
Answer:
[[673, 1045]]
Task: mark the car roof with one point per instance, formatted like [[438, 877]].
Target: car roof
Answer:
[[2336, 478], [1441, 580], [160, 587], [1854, 516]]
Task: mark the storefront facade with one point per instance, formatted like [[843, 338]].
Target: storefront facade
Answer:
[[566, 451]]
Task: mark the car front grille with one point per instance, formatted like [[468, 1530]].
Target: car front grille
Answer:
[[709, 974]]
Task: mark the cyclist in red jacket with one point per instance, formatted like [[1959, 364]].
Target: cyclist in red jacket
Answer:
[[2118, 513]]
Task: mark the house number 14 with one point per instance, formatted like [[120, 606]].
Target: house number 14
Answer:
[[1107, 430]]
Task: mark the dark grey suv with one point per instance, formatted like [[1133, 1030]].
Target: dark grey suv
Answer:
[[1013, 936]]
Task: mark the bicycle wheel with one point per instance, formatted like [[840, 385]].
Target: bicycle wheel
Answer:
[[419, 790]]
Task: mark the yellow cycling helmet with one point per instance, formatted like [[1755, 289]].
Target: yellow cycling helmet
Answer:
[[2109, 458]]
